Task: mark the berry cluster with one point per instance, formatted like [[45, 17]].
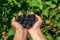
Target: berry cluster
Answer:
[[27, 21]]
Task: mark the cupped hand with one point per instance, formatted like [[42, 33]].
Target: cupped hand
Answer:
[[37, 25], [20, 31], [35, 30], [17, 26]]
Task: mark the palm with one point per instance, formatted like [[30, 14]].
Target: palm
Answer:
[[37, 24]]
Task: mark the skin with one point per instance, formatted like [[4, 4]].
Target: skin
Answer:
[[34, 31], [21, 32]]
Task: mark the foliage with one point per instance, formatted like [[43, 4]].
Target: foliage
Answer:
[[48, 10]]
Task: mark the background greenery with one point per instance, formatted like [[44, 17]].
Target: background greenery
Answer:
[[48, 10]]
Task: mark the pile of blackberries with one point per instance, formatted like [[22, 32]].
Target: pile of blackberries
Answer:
[[26, 21]]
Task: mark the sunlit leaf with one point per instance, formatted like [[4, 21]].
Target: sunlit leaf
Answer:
[[55, 1], [46, 12], [58, 38], [11, 32], [49, 36], [48, 2], [52, 5], [57, 17], [52, 13]]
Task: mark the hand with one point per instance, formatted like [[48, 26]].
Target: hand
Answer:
[[15, 25], [20, 31], [35, 31], [37, 25]]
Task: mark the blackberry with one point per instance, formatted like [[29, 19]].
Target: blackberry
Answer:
[[19, 18], [21, 22], [27, 26], [30, 15], [27, 21], [24, 15]]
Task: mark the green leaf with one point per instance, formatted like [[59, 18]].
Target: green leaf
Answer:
[[58, 31], [37, 3], [59, 6], [52, 13], [49, 37], [48, 27], [10, 1], [58, 38], [15, 14], [48, 2], [57, 17], [11, 32], [52, 5], [32, 3], [45, 31], [40, 1], [45, 12], [40, 6], [58, 24], [18, 4], [15, 2], [55, 1]]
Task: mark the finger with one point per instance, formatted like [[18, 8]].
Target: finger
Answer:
[[13, 20], [38, 17], [39, 20], [25, 30]]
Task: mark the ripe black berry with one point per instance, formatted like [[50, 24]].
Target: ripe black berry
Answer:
[[27, 21]]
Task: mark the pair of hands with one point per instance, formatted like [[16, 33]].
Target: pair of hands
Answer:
[[19, 28]]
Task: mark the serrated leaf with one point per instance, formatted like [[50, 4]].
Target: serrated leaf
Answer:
[[58, 31], [44, 6], [52, 13], [58, 38], [37, 3], [48, 2], [15, 2], [52, 6], [40, 1], [55, 1], [10, 1], [49, 37], [11, 32], [19, 5], [45, 12], [41, 6], [48, 27], [57, 17], [59, 6], [32, 3], [58, 24], [45, 31]]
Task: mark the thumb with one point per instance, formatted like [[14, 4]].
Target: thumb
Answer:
[[13, 20]]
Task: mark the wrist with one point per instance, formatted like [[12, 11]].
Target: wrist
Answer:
[[34, 35], [34, 30]]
